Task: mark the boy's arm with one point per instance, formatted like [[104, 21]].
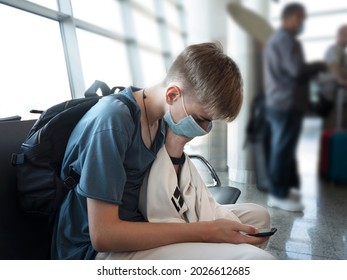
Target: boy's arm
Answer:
[[110, 234]]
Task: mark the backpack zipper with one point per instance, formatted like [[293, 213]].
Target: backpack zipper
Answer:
[[66, 103], [39, 137]]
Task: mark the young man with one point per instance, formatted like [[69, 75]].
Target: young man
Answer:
[[286, 77], [112, 152]]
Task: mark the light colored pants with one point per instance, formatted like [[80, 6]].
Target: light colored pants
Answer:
[[250, 214]]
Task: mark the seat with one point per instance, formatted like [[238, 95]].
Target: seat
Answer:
[[21, 237], [222, 194], [11, 118]]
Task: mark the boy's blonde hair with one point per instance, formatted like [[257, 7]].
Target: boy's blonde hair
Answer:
[[212, 77]]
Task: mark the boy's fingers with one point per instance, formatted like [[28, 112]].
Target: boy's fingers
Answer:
[[247, 228]]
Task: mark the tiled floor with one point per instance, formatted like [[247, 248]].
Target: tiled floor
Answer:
[[320, 232]]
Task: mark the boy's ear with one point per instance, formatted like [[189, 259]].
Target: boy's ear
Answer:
[[173, 92]]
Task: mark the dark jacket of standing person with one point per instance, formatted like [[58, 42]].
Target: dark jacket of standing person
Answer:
[[286, 74]]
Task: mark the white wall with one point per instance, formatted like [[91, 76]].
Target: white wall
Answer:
[[246, 52], [208, 20]]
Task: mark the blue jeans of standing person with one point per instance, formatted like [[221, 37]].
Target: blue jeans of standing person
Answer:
[[285, 127]]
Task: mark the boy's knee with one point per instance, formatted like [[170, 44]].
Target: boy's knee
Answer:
[[262, 216], [265, 217]]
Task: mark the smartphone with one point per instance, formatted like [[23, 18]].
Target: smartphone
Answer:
[[264, 232]]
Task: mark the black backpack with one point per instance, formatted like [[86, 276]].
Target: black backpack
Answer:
[[40, 188], [257, 126], [258, 140]]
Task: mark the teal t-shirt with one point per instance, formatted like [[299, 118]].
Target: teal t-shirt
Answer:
[[107, 150]]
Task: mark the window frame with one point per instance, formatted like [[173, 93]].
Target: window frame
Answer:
[[69, 24]]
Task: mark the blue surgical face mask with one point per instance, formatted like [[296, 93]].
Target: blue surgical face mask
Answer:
[[187, 127]]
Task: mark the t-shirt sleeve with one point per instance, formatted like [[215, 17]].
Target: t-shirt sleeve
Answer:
[[103, 175]]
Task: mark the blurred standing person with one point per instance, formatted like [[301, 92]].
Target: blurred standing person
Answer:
[[335, 80], [286, 77]]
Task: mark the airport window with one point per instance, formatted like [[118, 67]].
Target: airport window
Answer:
[[176, 42], [103, 13], [103, 59], [153, 69], [148, 5], [316, 50], [32, 70], [315, 29], [176, 23], [52, 4], [171, 13], [146, 29], [318, 37], [57, 48]]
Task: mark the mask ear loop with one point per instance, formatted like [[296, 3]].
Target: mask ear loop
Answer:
[[184, 107]]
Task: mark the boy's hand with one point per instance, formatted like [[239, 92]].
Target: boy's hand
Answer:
[[226, 231]]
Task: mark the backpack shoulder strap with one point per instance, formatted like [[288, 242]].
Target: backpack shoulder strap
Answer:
[[128, 103], [73, 178]]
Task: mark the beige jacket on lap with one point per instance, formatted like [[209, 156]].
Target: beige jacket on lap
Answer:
[[162, 199]]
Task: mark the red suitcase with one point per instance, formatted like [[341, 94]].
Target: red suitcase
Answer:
[[324, 153]]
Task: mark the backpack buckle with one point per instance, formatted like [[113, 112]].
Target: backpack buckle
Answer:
[[72, 180], [17, 159], [70, 183]]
